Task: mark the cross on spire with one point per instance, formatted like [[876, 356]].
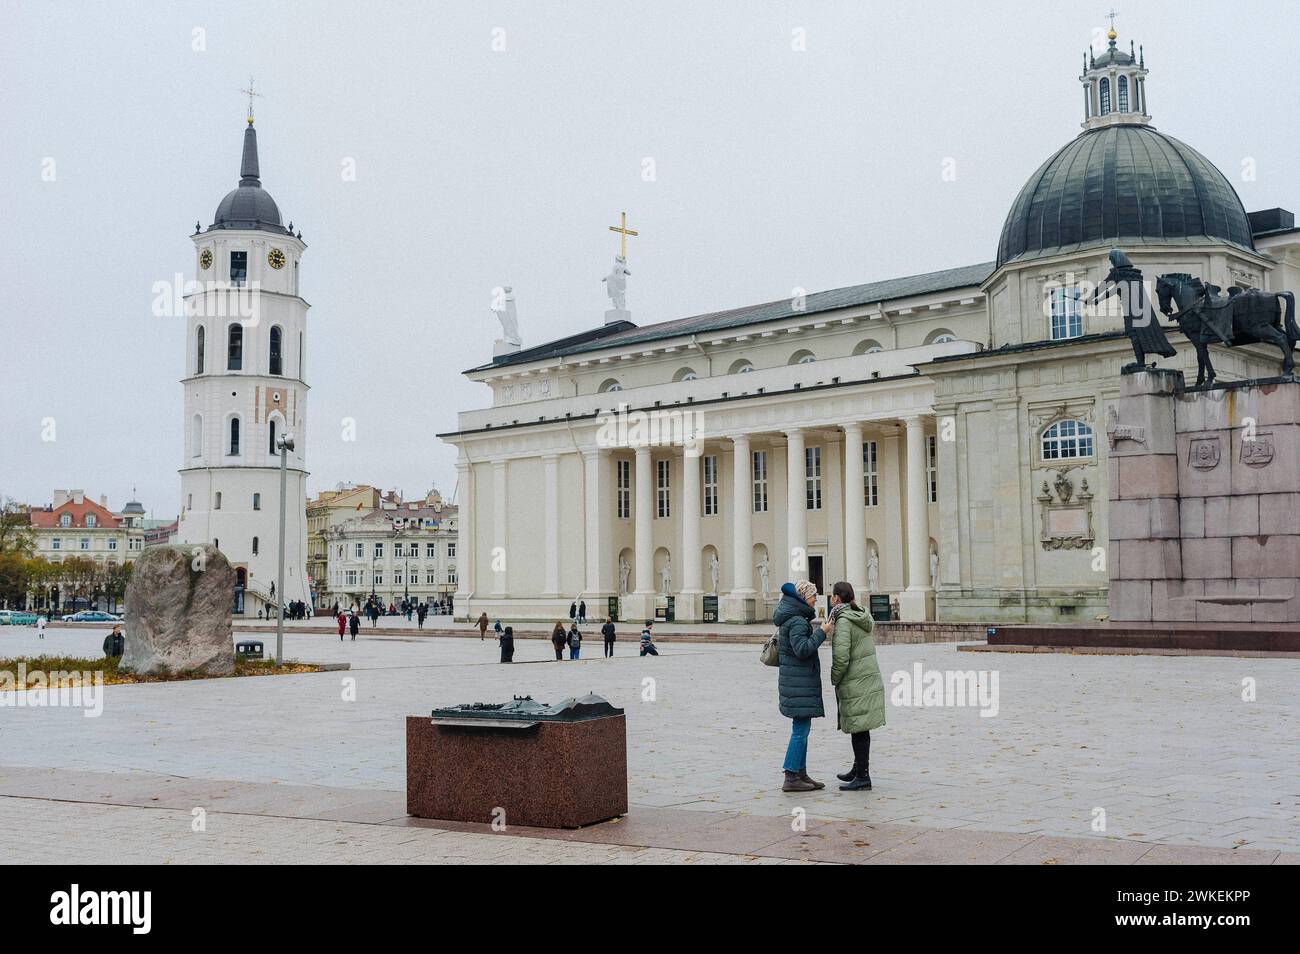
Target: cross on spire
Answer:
[[250, 94], [624, 232], [1112, 15]]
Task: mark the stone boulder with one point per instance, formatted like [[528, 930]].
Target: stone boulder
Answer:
[[178, 612]]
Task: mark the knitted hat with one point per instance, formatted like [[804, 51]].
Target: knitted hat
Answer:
[[806, 589]]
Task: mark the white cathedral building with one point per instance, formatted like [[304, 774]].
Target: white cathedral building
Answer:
[[937, 438], [245, 389]]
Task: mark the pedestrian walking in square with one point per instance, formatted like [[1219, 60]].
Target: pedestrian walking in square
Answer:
[[647, 641]]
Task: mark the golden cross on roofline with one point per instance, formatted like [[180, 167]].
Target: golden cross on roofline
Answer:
[[624, 232], [1112, 16], [250, 94]]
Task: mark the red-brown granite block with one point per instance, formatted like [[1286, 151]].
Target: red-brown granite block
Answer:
[[552, 775]]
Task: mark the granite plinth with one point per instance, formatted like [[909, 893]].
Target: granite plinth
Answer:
[[541, 774], [1195, 637]]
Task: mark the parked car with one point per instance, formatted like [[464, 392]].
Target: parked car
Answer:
[[92, 616], [17, 618]]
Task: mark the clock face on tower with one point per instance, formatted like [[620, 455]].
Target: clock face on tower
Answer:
[[276, 258], [205, 259]]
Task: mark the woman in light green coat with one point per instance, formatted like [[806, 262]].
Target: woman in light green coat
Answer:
[[855, 674]]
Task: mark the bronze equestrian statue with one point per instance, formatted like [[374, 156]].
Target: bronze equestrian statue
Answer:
[[1236, 318], [1140, 324]]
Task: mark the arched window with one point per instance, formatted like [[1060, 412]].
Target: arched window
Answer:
[[234, 437], [611, 384], [254, 546], [235, 348], [1123, 94], [270, 430], [196, 436], [216, 503], [200, 339], [870, 346], [685, 374], [1067, 439], [742, 366], [277, 355], [803, 356], [940, 336], [1105, 96]]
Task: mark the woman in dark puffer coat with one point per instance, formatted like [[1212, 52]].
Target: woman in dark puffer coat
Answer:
[[799, 682]]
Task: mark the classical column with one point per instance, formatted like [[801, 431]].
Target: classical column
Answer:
[[740, 600], [855, 512], [594, 468], [914, 602], [551, 501], [499, 554], [796, 511], [645, 561], [688, 582], [465, 555]]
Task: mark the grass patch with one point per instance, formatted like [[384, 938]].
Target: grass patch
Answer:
[[72, 666]]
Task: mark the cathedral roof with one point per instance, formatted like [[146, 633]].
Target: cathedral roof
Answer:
[[626, 334], [248, 205], [1123, 184]]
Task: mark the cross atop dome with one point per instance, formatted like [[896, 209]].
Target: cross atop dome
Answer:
[[1114, 84]]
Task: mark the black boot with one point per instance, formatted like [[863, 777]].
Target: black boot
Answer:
[[848, 776], [861, 782]]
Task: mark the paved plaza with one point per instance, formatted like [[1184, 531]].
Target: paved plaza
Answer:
[[312, 767]]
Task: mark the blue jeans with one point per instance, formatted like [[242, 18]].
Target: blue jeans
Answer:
[[573, 652], [796, 753]]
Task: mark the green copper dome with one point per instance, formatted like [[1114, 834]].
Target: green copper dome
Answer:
[[1123, 185]]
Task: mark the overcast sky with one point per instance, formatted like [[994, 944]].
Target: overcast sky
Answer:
[[774, 168]]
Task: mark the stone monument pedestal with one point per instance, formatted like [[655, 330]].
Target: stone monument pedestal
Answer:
[[1204, 501], [551, 767]]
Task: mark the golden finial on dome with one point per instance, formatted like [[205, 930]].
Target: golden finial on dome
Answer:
[[1111, 34]]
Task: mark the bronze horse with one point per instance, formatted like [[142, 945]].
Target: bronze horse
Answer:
[[1236, 318]]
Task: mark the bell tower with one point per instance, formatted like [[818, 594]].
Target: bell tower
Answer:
[[245, 387]]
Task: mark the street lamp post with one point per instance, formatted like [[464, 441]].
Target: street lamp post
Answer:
[[284, 444]]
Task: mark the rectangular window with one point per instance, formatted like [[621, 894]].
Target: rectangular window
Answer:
[[451, 574], [360, 551], [1066, 310], [760, 481], [932, 466], [379, 551], [379, 579], [451, 550], [56, 544], [238, 268], [870, 475], [85, 543], [662, 503], [112, 544], [710, 486], [430, 551], [812, 472], [216, 501], [351, 577], [430, 578], [398, 551], [257, 501], [623, 496], [397, 577]]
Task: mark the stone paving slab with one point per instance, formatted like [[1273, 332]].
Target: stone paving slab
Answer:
[[1165, 745], [709, 834]]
